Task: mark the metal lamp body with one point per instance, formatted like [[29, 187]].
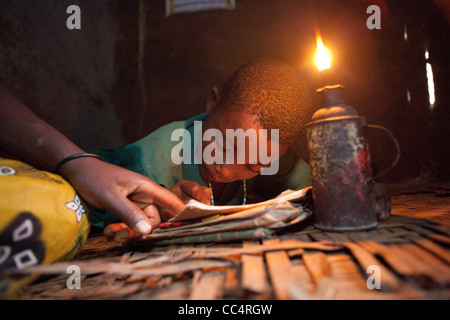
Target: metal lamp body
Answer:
[[340, 167]]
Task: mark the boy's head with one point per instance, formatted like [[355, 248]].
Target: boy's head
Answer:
[[272, 91], [262, 94]]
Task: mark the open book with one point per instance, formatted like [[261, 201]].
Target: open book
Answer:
[[199, 223], [196, 210]]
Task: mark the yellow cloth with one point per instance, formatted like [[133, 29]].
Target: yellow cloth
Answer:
[[42, 220]]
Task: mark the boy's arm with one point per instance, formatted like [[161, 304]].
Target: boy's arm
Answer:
[[131, 196], [28, 137]]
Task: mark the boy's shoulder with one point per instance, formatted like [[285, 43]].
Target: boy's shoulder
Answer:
[[162, 137], [153, 152]]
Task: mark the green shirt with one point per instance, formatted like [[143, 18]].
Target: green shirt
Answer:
[[151, 157]]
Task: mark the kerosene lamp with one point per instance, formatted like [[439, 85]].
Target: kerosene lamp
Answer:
[[344, 190]]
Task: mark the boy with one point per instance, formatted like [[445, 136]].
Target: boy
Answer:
[[262, 94]]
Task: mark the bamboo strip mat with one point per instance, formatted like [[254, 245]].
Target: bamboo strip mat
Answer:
[[410, 253]]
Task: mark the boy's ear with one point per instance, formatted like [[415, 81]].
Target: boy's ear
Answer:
[[212, 101]]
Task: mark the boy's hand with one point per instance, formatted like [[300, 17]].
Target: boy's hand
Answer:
[[188, 190], [184, 189], [119, 232], [130, 196]]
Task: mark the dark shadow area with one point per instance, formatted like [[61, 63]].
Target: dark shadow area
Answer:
[[131, 69]]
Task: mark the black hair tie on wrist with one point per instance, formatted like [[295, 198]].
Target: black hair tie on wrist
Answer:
[[76, 156]]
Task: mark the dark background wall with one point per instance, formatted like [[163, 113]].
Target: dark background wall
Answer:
[[131, 69]]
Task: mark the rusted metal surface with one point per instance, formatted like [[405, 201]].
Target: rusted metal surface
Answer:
[[341, 175], [340, 166]]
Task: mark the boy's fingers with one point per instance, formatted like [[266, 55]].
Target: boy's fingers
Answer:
[[152, 213], [147, 195], [166, 214], [166, 199], [113, 228], [195, 191], [130, 214], [124, 235], [188, 187], [207, 193]]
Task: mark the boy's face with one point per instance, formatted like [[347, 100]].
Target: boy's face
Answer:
[[232, 169]]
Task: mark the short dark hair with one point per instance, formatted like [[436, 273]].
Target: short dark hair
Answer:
[[274, 92]]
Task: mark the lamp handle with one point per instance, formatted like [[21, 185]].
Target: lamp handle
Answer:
[[397, 147]]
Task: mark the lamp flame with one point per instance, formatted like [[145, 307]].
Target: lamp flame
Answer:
[[323, 55]]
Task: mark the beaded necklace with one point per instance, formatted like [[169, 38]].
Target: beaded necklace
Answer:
[[244, 186]]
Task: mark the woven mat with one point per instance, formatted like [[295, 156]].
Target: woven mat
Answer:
[[410, 253]]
